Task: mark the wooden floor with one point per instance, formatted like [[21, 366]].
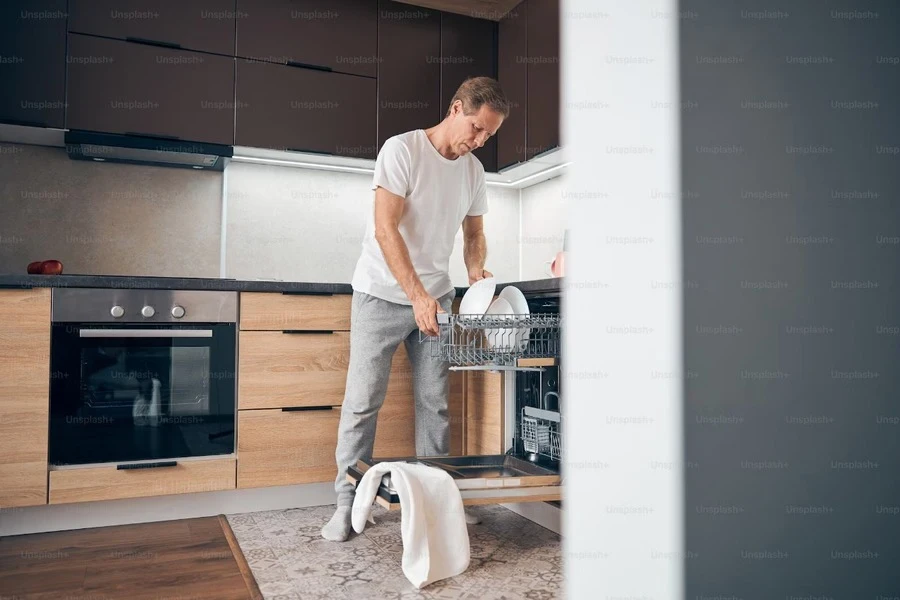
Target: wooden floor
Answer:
[[190, 558]]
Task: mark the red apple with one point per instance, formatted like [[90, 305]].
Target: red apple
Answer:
[[51, 267]]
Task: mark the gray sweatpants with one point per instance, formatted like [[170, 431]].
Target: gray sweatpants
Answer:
[[376, 329]]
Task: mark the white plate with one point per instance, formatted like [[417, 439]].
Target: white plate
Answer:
[[478, 297], [519, 305], [497, 338]]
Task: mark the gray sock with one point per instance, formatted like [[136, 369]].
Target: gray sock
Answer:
[[338, 528]]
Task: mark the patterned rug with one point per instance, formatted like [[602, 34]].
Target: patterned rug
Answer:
[[512, 558]]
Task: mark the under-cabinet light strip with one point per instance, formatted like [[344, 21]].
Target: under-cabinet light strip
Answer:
[[368, 171]]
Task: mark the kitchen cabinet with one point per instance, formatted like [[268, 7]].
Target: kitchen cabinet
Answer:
[[290, 108], [409, 75], [33, 62], [266, 311], [482, 9], [512, 73], [281, 369], [543, 76], [205, 25], [468, 49], [338, 35], [123, 87], [24, 396], [484, 413], [109, 483], [281, 446]]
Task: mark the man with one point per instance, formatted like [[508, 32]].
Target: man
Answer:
[[427, 183]]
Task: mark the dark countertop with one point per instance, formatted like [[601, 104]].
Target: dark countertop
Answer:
[[228, 285]]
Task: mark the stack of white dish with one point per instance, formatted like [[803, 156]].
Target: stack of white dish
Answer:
[[509, 305]]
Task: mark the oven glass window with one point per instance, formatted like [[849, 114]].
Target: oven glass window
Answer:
[[132, 399]]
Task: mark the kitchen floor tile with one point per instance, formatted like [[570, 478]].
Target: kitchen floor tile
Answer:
[[512, 558]]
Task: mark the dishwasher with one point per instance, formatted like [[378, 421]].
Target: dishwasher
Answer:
[[526, 350]]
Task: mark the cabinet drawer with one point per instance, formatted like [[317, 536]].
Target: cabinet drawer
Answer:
[[33, 76], [263, 311], [206, 25], [285, 448], [338, 34], [278, 369], [484, 413], [304, 110], [109, 483], [122, 87]]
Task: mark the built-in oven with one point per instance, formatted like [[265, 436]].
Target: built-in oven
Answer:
[[141, 378], [526, 349]]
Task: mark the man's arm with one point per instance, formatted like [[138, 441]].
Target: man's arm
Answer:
[[388, 211], [475, 248]]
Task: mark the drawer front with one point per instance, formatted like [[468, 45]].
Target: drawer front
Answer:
[[278, 369], [263, 311], [206, 25], [122, 87], [108, 483], [285, 448], [484, 413]]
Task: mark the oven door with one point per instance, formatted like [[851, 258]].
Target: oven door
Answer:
[[137, 392]]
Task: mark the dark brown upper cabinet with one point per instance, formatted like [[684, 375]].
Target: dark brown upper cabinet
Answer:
[[33, 62], [512, 72], [205, 25], [305, 110], [468, 49], [409, 69], [543, 76], [339, 35], [123, 87]]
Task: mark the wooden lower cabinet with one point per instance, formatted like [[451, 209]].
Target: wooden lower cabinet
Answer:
[[108, 483], [277, 447], [269, 311], [277, 369], [24, 396], [484, 413]]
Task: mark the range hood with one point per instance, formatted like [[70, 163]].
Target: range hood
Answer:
[[146, 150]]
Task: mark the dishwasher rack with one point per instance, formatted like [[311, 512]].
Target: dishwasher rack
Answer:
[[495, 342]]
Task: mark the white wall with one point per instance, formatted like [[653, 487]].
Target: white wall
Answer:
[[623, 514], [544, 219], [307, 225]]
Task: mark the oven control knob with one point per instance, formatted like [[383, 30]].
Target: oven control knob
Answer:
[[148, 311], [117, 311], [177, 311]]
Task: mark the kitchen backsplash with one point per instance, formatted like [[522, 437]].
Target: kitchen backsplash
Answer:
[[308, 225], [106, 219], [281, 223]]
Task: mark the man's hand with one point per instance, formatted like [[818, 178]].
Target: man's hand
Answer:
[[426, 308], [478, 274]]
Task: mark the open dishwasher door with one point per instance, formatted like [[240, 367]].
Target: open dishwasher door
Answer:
[[482, 479]]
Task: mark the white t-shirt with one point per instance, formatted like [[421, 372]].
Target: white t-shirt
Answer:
[[439, 194]]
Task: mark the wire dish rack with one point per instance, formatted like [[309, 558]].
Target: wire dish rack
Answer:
[[491, 341]]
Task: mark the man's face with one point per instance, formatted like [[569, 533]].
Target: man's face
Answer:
[[470, 132]]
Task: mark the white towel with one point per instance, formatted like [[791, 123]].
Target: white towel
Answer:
[[432, 519]]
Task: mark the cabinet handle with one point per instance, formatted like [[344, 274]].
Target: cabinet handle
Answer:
[[153, 135], [153, 465], [289, 293], [307, 331], [26, 123], [305, 408], [304, 150], [147, 42], [294, 63]]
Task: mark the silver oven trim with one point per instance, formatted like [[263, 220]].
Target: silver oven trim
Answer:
[[95, 305], [145, 333]]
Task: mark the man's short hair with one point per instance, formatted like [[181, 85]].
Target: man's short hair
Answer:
[[475, 92]]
